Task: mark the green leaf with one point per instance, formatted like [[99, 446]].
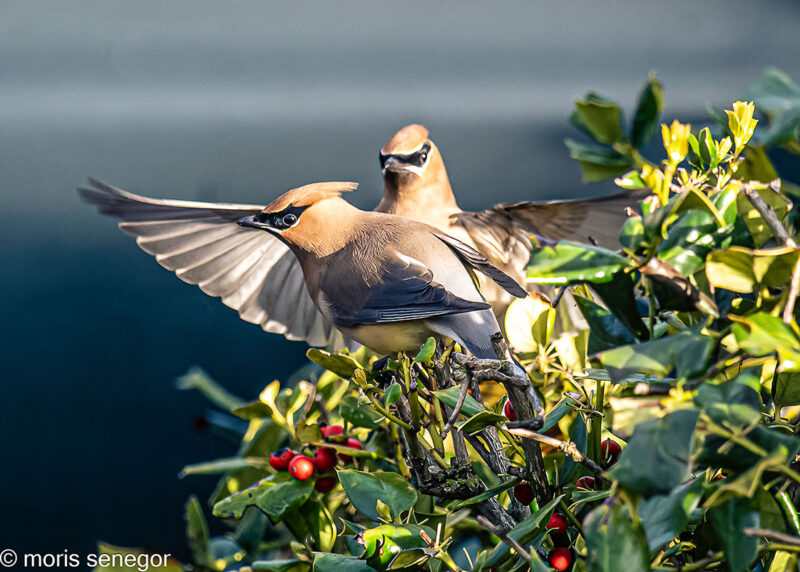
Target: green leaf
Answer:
[[688, 352], [577, 435], [340, 563], [450, 396], [742, 270], [762, 334], [410, 559], [605, 329], [614, 541], [786, 389], [631, 236], [197, 378], [733, 402], [630, 180], [601, 117], [665, 516], [778, 96], [573, 263], [657, 457], [648, 111], [618, 296], [392, 394], [364, 489], [759, 229], [197, 533], [252, 410], [340, 364], [688, 241], [276, 495], [728, 520], [426, 351], [359, 415], [480, 421], [556, 413], [224, 466], [283, 565], [598, 163], [320, 525]]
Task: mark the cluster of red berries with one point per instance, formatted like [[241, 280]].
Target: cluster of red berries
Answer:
[[324, 459]]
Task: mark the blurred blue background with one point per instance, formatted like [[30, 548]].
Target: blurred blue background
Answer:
[[239, 101]]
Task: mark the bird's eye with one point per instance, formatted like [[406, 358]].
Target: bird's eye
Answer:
[[289, 219], [423, 156]]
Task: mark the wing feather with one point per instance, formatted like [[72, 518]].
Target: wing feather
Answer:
[[252, 271]]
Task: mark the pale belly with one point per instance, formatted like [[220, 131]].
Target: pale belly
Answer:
[[391, 337]]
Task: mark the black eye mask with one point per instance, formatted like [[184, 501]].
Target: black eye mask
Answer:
[[416, 159], [281, 220]]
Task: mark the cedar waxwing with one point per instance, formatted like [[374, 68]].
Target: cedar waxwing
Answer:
[[416, 186], [357, 270], [385, 281]]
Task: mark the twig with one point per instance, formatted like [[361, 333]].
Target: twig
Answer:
[[457, 409], [510, 542], [767, 213], [772, 535], [560, 294], [794, 290], [568, 447]]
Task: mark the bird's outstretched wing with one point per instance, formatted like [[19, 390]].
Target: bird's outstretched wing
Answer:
[[501, 232], [406, 290], [251, 271]]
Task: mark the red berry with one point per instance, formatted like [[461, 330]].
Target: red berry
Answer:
[[508, 411], [560, 558], [324, 459], [331, 431], [301, 467], [524, 493], [558, 523], [325, 484], [609, 451], [588, 483], [279, 460], [353, 444]]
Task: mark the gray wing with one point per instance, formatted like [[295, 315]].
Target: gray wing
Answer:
[[406, 290], [501, 233], [251, 271]]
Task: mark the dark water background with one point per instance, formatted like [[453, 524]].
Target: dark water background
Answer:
[[238, 102]]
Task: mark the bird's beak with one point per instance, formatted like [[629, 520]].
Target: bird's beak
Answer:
[[251, 222], [393, 165]]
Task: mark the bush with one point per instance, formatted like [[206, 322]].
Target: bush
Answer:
[[670, 435]]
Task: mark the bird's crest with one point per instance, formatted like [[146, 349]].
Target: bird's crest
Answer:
[[308, 195], [406, 141]]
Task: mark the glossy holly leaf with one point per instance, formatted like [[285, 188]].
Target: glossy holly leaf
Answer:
[[618, 296], [340, 364], [392, 394], [631, 236], [340, 563], [665, 516], [320, 524], [728, 520], [786, 389], [556, 413], [364, 490], [614, 541], [605, 329], [674, 291], [196, 378], [601, 117], [282, 565], [224, 466], [688, 241], [426, 351], [357, 414], [450, 397], [658, 456], [762, 334], [597, 162], [197, 533], [733, 402], [759, 229], [648, 111], [276, 495], [577, 435], [480, 421], [688, 352], [742, 270], [568, 262]]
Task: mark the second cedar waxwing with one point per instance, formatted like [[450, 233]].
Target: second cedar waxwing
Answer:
[[387, 282], [416, 186]]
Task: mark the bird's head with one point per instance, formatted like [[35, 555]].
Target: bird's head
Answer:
[[304, 218], [408, 154]]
